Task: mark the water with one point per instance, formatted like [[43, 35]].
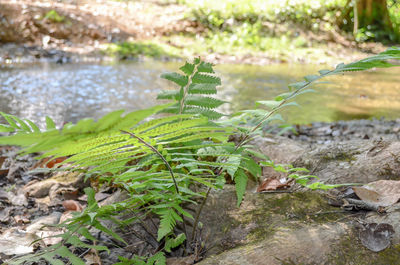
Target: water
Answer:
[[73, 91]]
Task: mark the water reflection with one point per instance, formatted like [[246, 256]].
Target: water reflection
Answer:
[[73, 91]]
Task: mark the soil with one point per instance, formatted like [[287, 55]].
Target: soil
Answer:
[[26, 35]]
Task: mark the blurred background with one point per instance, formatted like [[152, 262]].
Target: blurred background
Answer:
[[82, 58]]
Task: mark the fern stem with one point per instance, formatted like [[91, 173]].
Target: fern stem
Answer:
[[275, 109], [144, 225], [159, 154], [166, 163], [196, 220], [186, 88]]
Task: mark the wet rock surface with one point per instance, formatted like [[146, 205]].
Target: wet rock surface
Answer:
[[292, 234]]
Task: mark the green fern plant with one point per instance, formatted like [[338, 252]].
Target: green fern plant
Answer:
[[196, 84], [161, 161]]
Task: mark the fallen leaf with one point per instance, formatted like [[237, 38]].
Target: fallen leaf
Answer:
[[376, 237], [272, 184], [4, 172], [21, 219], [71, 205], [92, 258], [382, 192], [2, 159], [49, 162]]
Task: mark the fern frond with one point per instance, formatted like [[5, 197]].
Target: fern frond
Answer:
[[167, 222], [202, 88], [180, 80], [204, 102]]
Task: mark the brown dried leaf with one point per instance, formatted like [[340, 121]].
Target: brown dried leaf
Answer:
[[71, 205], [382, 192], [92, 258], [271, 184]]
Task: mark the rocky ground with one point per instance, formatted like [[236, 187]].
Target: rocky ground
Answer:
[[279, 226]]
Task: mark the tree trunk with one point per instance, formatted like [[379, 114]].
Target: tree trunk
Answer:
[[372, 12]]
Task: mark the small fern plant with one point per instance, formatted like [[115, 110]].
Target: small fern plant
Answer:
[[196, 83], [161, 162]]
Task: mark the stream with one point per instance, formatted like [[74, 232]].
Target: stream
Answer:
[[69, 92]]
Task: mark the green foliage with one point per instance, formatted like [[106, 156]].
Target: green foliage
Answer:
[[162, 162], [195, 85], [129, 49], [53, 16]]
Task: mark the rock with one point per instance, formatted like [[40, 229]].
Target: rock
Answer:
[[308, 245], [361, 161], [37, 224], [16, 242], [55, 184]]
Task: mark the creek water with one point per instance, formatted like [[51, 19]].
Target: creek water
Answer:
[[72, 91]]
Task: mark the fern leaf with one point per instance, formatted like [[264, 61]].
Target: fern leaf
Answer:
[[206, 79], [240, 185], [169, 94], [205, 67], [178, 79], [50, 124], [167, 222], [10, 121], [157, 259], [64, 252], [171, 243], [188, 68], [211, 114], [202, 88], [6, 128], [204, 102]]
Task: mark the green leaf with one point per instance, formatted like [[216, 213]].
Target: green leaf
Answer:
[[271, 104], [34, 127], [311, 78], [240, 185], [157, 259], [168, 218], [206, 79], [204, 102], [10, 121], [171, 243], [64, 252], [178, 79], [50, 123], [202, 88], [187, 68], [6, 128]]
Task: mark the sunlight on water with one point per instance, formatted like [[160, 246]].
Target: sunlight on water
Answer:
[[73, 91]]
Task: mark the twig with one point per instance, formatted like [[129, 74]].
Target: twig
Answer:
[[159, 154], [365, 205]]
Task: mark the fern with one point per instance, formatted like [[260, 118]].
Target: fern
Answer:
[[160, 161], [195, 85]]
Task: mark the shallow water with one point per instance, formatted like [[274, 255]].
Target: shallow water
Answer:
[[73, 91]]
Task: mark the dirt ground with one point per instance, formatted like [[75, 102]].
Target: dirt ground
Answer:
[[26, 34]]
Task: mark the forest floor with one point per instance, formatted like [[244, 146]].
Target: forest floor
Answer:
[[30, 198], [83, 30]]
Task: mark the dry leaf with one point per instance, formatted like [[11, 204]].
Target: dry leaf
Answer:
[[71, 205], [92, 258], [271, 184], [382, 192]]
